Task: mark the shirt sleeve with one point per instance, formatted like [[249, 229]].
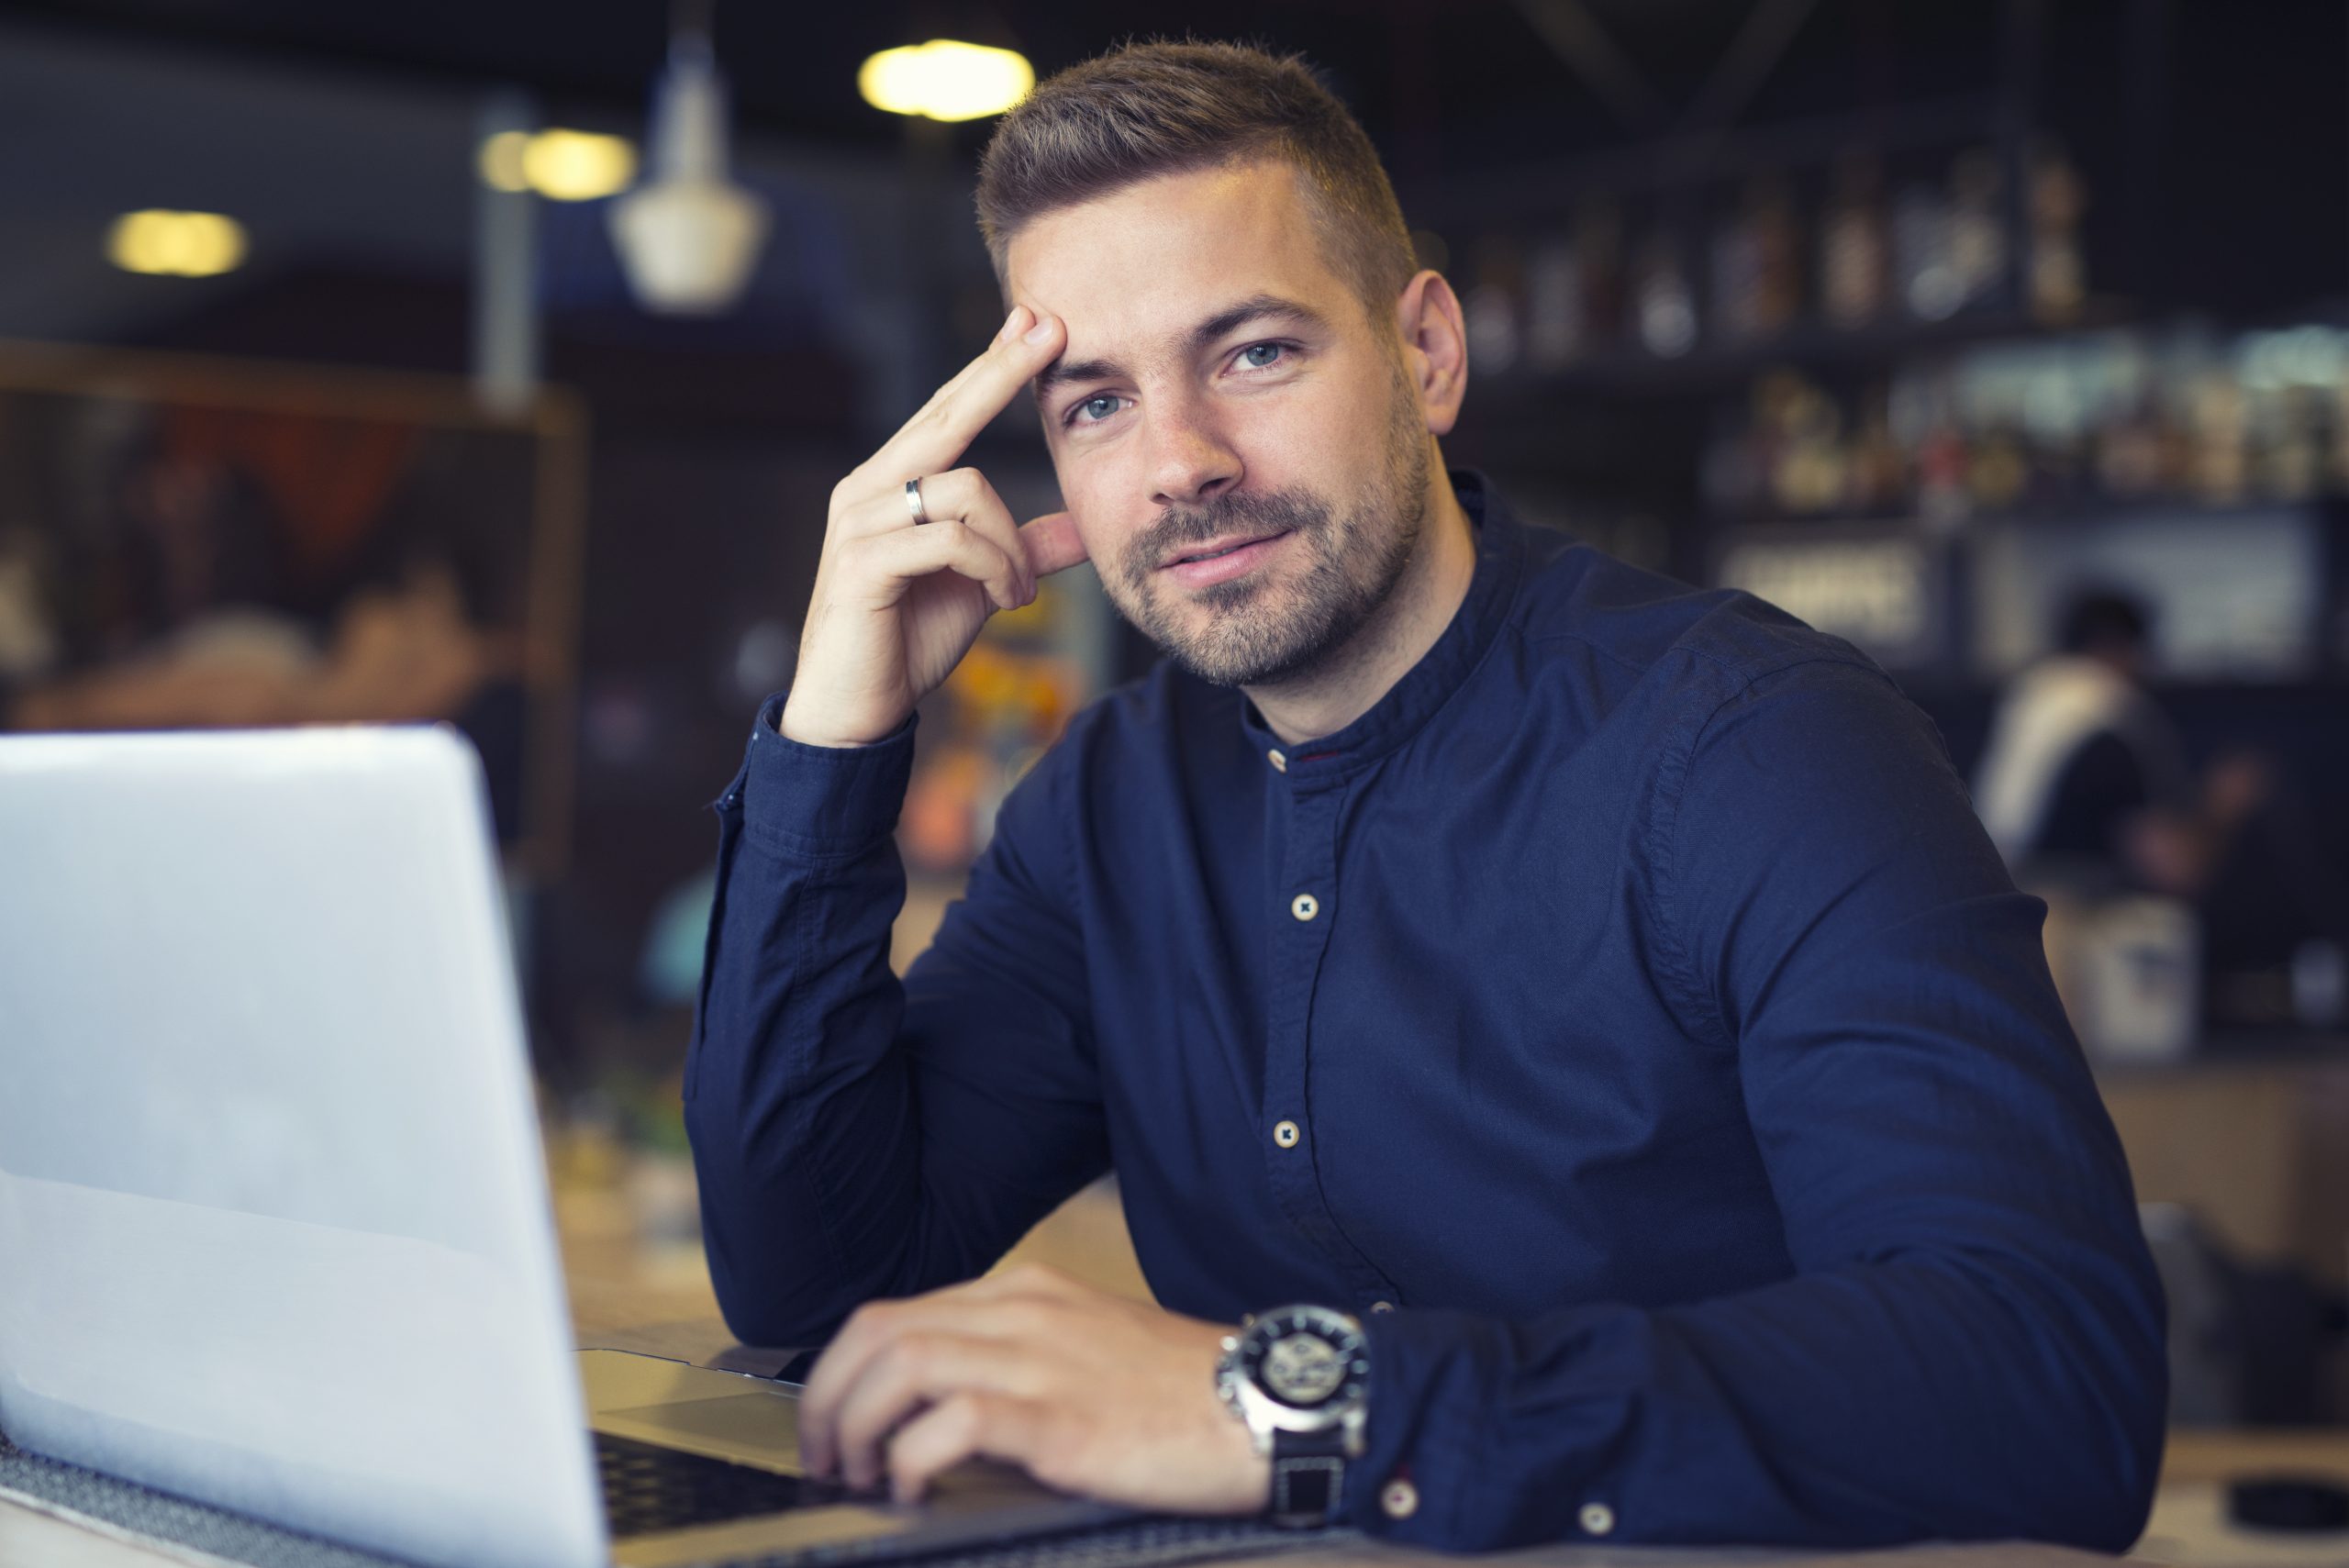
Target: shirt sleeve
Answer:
[[856, 1138], [1972, 1346]]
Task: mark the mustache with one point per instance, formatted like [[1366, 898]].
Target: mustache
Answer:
[[1237, 511]]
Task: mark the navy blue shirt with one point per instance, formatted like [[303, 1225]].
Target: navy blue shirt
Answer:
[[1627, 1016]]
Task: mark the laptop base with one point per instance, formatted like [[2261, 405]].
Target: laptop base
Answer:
[[126, 1510]]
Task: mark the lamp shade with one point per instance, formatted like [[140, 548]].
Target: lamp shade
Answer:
[[689, 237]]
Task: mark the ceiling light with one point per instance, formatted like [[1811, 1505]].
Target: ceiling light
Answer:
[[577, 165], [945, 80], [561, 165], [690, 236], [176, 244]]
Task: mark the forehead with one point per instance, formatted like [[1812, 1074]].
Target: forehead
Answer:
[[1150, 260]]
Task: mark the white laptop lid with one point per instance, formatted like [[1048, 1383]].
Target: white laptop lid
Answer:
[[274, 1223]]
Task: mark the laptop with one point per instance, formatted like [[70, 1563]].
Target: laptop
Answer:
[[274, 1227]]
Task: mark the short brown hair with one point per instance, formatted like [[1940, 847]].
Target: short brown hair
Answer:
[[1149, 109]]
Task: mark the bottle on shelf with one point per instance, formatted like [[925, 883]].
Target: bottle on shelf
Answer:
[[1854, 252], [1922, 273], [1598, 262], [1877, 480], [1554, 314], [1978, 228], [1737, 275], [1662, 300], [1494, 307], [2058, 272], [1777, 240], [1757, 284], [2221, 474]]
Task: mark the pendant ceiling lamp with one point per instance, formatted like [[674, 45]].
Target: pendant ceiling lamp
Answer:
[[689, 236]]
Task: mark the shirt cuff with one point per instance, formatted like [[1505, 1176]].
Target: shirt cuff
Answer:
[[1408, 1477], [819, 802], [1429, 1474]]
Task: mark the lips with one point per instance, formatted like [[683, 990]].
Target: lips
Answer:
[[1226, 559], [1224, 546]]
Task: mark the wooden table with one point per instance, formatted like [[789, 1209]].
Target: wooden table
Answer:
[[656, 1300]]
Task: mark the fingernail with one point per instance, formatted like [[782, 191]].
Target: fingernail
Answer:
[[1011, 323], [1041, 330]]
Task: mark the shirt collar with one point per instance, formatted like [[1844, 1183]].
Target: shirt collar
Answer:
[[1428, 685]]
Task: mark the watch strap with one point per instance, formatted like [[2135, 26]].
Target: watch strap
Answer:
[[1309, 1478]]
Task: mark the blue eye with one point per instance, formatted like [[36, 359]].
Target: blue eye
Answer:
[[1256, 356], [1093, 410]]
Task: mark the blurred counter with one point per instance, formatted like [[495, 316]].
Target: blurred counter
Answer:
[[2189, 1526], [2252, 1133]]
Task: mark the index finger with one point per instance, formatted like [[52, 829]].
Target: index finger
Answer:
[[935, 437]]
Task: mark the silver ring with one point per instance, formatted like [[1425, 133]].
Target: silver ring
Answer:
[[913, 501]]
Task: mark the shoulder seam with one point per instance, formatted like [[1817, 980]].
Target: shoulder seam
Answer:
[[1672, 778]]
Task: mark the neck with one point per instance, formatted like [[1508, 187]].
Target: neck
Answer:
[[1348, 683]]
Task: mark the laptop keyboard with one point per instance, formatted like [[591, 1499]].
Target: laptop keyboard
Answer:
[[649, 1488]]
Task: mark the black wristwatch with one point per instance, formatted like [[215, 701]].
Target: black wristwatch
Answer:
[[1300, 1378]]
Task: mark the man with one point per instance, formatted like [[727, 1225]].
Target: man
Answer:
[[1588, 1001], [2084, 778]]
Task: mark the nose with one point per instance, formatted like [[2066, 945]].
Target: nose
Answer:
[[1191, 458]]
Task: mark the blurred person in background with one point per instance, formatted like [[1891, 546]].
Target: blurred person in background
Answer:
[[2085, 780], [1575, 1066]]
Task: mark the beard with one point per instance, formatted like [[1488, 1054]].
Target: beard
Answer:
[[1262, 630]]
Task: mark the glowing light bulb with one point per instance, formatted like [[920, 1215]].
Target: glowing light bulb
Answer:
[[561, 165], [577, 165], [164, 243], [945, 80]]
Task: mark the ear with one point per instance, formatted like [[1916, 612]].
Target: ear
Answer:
[[1435, 347]]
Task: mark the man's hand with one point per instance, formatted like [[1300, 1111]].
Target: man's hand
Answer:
[[1089, 1392], [898, 604]]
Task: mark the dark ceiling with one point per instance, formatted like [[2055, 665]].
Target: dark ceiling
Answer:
[[2211, 131], [1447, 81]]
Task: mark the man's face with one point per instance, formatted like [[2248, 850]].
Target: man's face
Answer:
[[1224, 390]]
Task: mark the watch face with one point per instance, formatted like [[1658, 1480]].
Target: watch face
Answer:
[[1303, 1369], [1305, 1356]]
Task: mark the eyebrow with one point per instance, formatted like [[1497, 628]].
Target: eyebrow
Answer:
[[1255, 307]]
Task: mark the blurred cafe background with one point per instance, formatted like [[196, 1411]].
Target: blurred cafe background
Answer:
[[492, 363]]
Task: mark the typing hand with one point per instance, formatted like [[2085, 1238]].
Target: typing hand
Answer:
[[1089, 1393], [898, 602]]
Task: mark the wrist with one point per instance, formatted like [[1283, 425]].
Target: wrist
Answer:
[[1246, 1467], [1298, 1378], [797, 726]]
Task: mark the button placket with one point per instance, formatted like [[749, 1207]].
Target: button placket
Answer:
[[1305, 886]]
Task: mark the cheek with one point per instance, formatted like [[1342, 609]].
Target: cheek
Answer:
[[1320, 439], [1106, 539], [1106, 516]]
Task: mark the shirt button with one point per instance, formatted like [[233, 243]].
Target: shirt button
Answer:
[[1399, 1498], [1286, 1135], [1382, 1306], [1598, 1518], [1305, 905], [1279, 762]]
